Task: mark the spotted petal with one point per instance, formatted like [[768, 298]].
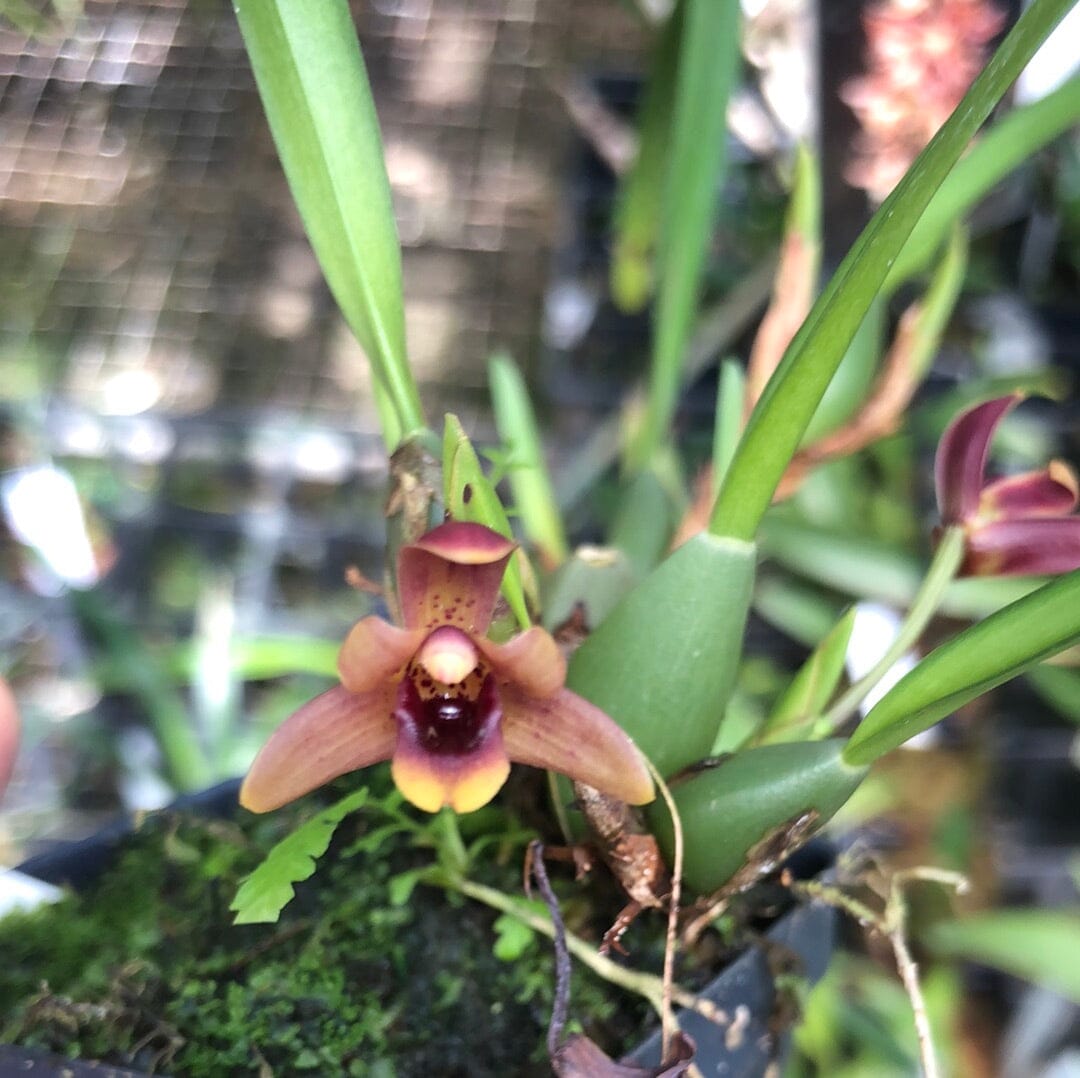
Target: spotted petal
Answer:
[[374, 651], [337, 732], [451, 576], [566, 733], [960, 463], [1031, 547], [1051, 492], [532, 661]]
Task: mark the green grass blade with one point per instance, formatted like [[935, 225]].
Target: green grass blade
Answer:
[[708, 61], [730, 391], [972, 662], [1039, 945], [636, 223], [315, 91], [534, 496], [793, 394]]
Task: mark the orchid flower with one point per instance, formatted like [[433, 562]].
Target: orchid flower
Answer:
[[1017, 525], [447, 706]]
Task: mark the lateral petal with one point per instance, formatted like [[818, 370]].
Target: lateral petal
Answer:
[[565, 733], [960, 462], [337, 732], [1051, 492], [451, 576], [374, 651], [532, 661], [1034, 546]]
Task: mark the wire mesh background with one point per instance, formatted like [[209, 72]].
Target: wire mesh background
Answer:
[[167, 335]]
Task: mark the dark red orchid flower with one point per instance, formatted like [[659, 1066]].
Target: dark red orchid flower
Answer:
[[449, 707], [1015, 526]]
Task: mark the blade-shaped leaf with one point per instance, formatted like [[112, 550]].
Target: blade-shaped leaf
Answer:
[[1006, 145], [596, 577], [527, 472], [986, 654], [812, 687], [469, 495], [1039, 945], [708, 60], [662, 664], [269, 889], [636, 223], [762, 802], [778, 422], [315, 91]]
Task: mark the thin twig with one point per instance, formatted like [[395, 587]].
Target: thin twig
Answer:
[[560, 1007], [668, 1025], [647, 985]]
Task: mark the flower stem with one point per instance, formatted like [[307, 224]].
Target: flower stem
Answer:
[[943, 568], [647, 985]]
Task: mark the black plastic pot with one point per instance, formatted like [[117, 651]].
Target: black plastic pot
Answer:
[[801, 942]]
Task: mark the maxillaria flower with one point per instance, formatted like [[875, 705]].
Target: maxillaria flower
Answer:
[[1018, 525], [449, 707]]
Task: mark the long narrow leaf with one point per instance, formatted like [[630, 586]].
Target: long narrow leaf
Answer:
[[985, 655], [1005, 146], [708, 59], [315, 91], [791, 397]]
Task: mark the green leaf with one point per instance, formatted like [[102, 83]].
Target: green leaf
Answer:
[[751, 797], [269, 889], [790, 399], [1059, 687], [730, 393], [1010, 142], [469, 495], [812, 687], [636, 223], [1039, 945], [512, 937], [708, 61], [534, 498], [972, 662], [596, 577], [868, 568], [645, 521], [315, 91], [662, 664]]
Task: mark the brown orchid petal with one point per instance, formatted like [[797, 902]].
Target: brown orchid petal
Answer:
[[580, 1057], [451, 576], [449, 750], [566, 733], [375, 651], [9, 733], [1051, 492], [1031, 547], [335, 733], [532, 661], [960, 462]]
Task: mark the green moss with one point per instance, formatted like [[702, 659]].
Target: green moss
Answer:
[[146, 969]]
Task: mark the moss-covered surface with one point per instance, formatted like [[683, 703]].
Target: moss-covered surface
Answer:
[[146, 969]]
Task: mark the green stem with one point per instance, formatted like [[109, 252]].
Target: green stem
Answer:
[[647, 985], [943, 568]]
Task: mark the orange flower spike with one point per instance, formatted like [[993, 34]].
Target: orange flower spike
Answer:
[[447, 706]]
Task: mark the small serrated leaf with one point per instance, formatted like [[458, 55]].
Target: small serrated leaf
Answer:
[[269, 889]]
